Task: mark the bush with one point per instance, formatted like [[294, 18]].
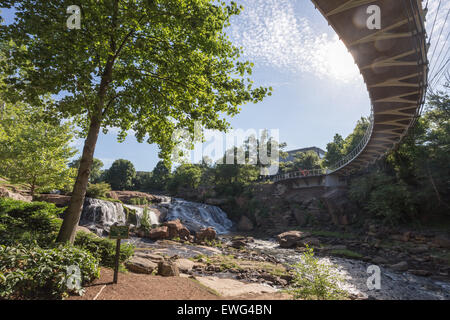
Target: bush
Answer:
[[103, 249], [384, 197], [26, 223], [36, 273], [139, 201], [145, 221], [315, 280], [98, 190]]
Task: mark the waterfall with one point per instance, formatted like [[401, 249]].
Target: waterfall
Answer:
[[99, 215], [198, 215], [154, 219]]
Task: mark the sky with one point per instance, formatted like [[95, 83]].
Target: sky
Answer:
[[317, 89]]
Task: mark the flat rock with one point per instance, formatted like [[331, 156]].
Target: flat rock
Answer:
[[401, 266], [168, 269], [231, 287], [184, 265], [290, 239], [141, 265], [152, 257]]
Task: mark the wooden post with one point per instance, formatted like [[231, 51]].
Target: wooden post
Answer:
[[116, 268]]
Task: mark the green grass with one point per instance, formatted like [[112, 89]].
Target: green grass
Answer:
[[332, 234], [347, 253]]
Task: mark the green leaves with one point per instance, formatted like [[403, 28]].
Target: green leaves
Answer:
[[150, 66], [35, 151], [29, 273]]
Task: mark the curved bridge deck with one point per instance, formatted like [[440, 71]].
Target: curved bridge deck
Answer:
[[393, 63]]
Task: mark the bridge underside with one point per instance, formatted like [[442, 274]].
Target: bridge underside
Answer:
[[393, 63]]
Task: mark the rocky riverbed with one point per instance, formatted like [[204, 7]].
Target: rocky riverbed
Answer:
[[264, 262]]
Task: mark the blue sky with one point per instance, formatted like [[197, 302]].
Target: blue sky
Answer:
[[318, 90]]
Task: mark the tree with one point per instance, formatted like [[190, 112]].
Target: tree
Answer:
[[185, 176], [160, 177], [306, 160], [33, 151], [151, 66], [96, 169], [352, 141], [142, 181], [121, 175], [335, 151]]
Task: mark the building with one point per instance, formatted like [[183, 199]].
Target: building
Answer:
[[291, 153]]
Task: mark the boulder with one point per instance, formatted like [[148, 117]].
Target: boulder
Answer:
[[6, 193], [205, 234], [168, 269], [291, 239], [56, 199], [83, 229], [126, 196], [159, 233], [149, 256], [245, 224], [184, 265], [441, 241], [401, 266], [141, 265], [238, 242], [176, 229]]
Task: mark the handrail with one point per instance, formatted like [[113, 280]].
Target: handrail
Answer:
[[421, 50]]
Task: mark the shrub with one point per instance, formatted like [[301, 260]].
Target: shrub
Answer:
[[103, 249], [36, 273], [98, 190], [139, 201], [384, 197], [145, 221], [315, 280], [23, 222]]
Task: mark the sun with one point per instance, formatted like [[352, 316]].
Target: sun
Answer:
[[339, 63]]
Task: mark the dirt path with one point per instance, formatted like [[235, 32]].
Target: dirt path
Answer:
[[134, 286]]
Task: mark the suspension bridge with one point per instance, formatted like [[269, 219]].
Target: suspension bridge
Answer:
[[394, 65]]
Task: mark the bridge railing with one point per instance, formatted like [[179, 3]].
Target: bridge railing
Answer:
[[299, 174], [338, 165], [356, 151]]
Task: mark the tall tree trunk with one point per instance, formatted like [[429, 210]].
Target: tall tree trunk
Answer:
[[73, 213]]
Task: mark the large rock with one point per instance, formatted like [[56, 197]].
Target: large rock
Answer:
[[291, 239], [141, 265], [159, 233], [176, 229], [184, 265], [245, 224], [6, 193], [56, 199], [441, 241], [401, 266], [208, 234], [126, 196], [168, 269], [156, 258]]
